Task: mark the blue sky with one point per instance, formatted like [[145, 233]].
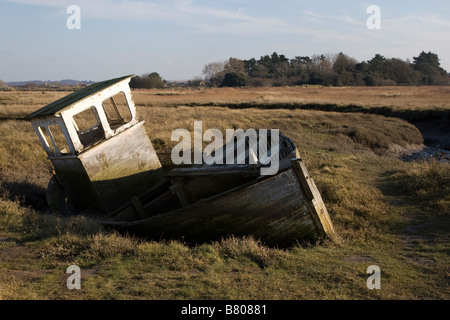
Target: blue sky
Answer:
[[177, 38]]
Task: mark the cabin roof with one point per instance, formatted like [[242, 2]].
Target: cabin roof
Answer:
[[69, 100]]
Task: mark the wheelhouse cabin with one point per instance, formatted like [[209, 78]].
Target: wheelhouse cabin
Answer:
[[100, 151]]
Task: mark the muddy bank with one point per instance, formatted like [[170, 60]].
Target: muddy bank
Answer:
[[436, 144], [434, 136], [427, 153]]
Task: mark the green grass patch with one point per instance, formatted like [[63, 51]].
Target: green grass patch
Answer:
[[386, 212], [41, 246]]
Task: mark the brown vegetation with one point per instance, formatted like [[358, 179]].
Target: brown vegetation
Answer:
[[410, 98], [388, 212]]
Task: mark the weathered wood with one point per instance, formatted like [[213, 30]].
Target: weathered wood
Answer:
[[112, 168], [303, 177], [215, 170], [273, 210], [177, 187], [64, 111], [108, 175], [138, 207], [317, 206], [71, 99]]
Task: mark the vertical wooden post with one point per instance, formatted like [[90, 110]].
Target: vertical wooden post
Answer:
[[319, 212]]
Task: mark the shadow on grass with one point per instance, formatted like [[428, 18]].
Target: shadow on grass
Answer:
[[27, 194]]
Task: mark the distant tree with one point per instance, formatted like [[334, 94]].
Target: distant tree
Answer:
[[268, 65], [320, 70], [344, 63], [339, 70], [300, 69], [196, 82], [275, 67], [315, 78], [154, 80], [250, 66], [304, 60], [429, 59], [401, 72], [235, 65], [147, 81], [281, 70], [345, 68], [234, 79], [430, 71], [136, 82], [283, 58], [374, 72], [362, 67], [317, 60], [362, 71], [275, 58], [214, 72], [255, 69], [265, 67], [377, 63]]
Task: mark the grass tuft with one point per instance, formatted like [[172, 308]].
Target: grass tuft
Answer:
[[429, 181]]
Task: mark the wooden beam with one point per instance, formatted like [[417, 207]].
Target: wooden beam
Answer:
[[304, 178], [319, 212], [215, 170]]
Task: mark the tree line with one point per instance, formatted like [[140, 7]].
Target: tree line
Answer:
[[147, 81], [326, 70]]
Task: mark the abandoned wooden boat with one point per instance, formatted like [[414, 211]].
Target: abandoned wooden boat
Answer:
[[279, 210], [105, 163]]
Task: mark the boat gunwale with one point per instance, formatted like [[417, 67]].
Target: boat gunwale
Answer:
[[314, 214]]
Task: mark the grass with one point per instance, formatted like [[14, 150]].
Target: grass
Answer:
[[325, 130], [387, 212], [429, 182], [399, 98]]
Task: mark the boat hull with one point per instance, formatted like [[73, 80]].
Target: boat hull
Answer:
[[275, 210]]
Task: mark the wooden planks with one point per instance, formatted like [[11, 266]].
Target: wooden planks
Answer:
[[215, 170], [273, 210], [316, 204]]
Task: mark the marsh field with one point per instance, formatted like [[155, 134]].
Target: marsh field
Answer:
[[388, 200]]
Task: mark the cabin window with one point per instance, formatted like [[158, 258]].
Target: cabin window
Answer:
[[88, 126], [55, 141], [49, 146], [117, 110], [59, 139]]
